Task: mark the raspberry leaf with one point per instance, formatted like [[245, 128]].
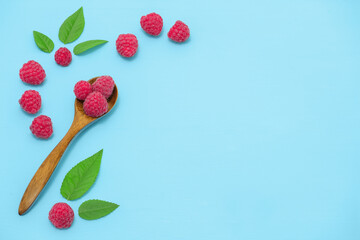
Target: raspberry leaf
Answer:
[[95, 209], [81, 177], [43, 42], [72, 27], [84, 46]]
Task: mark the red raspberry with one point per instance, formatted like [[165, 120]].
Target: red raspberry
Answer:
[[41, 127], [180, 32], [127, 45], [104, 85], [95, 105], [152, 23], [82, 89], [63, 56], [30, 101], [32, 73], [61, 215]]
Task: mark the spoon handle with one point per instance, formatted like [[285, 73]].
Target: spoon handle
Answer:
[[45, 171]]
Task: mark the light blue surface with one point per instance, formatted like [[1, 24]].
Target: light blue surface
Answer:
[[250, 130]]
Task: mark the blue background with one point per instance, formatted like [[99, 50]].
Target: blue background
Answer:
[[249, 130]]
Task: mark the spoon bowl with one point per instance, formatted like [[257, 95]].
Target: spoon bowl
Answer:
[[79, 111], [43, 174]]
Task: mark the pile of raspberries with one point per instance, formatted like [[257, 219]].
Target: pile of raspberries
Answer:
[[95, 96]]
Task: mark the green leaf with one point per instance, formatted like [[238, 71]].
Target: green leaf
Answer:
[[43, 42], [84, 46], [72, 27], [81, 177], [95, 209]]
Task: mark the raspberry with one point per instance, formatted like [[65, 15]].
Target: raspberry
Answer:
[[63, 56], [95, 105], [41, 127], [82, 89], [61, 215], [152, 23], [32, 73], [30, 101], [104, 85], [127, 45], [180, 32]]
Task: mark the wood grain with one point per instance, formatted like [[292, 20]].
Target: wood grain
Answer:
[[46, 169]]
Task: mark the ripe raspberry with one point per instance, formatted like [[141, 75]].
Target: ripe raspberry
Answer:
[[63, 56], [95, 105], [104, 85], [30, 101], [82, 89], [152, 23], [61, 215], [127, 45], [41, 127], [32, 73], [180, 32]]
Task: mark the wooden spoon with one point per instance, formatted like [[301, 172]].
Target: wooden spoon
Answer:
[[44, 172]]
